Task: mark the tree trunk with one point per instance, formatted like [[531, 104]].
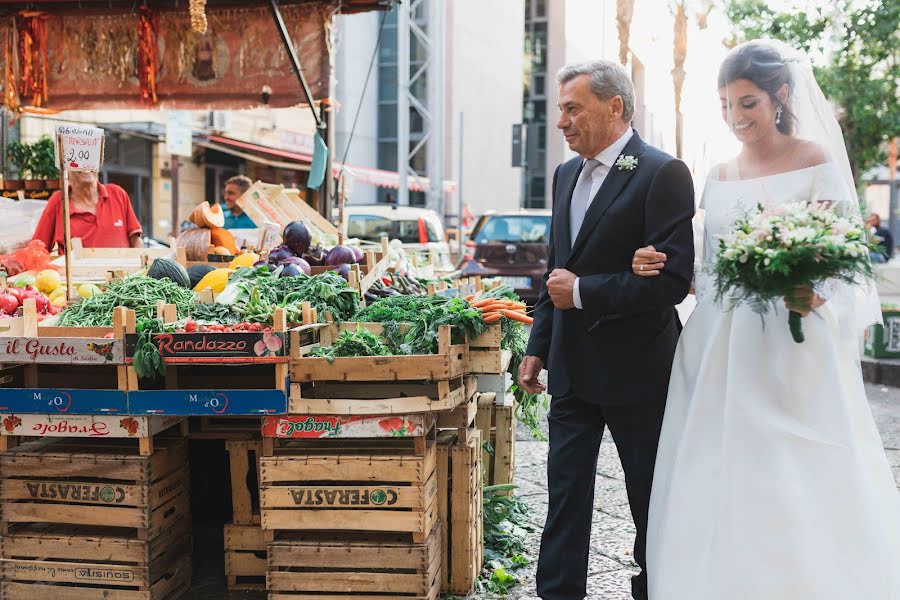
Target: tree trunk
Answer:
[[679, 55], [624, 13]]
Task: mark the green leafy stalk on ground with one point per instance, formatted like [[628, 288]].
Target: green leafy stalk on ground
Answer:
[[506, 530]]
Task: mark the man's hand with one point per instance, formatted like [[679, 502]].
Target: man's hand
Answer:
[[529, 371], [560, 285]]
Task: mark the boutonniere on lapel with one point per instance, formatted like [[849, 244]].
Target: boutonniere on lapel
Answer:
[[626, 162]]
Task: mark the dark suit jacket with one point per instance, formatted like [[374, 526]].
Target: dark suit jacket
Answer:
[[619, 348]]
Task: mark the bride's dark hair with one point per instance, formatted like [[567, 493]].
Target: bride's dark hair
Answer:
[[766, 68]]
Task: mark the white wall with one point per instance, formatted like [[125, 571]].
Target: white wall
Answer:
[[485, 65], [355, 39]]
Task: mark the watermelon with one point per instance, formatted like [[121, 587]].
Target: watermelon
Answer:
[[163, 267], [198, 272]]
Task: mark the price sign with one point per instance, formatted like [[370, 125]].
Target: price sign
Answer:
[[80, 147]]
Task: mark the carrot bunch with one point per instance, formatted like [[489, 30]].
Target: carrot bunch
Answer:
[[494, 309]]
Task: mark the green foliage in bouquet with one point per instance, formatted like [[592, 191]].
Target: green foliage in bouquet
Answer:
[[776, 250]]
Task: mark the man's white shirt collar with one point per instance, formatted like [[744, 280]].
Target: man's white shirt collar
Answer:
[[608, 155]]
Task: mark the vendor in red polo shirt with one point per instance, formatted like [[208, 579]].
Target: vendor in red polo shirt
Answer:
[[101, 215]]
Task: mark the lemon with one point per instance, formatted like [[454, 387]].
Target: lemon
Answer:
[[59, 301], [87, 290], [60, 291], [47, 281]]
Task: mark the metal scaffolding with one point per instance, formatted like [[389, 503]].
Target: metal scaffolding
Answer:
[[429, 41]]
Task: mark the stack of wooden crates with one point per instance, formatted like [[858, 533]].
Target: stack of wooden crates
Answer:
[[359, 496], [86, 518]]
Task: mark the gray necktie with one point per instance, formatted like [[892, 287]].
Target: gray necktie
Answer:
[[581, 197]]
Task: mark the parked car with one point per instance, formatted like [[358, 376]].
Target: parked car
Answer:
[[419, 229], [512, 246]]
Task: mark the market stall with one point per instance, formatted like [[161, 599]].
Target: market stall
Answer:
[[280, 411]]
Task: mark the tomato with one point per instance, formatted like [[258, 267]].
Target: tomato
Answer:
[[190, 326]]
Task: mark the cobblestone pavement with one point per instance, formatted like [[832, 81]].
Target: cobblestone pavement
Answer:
[[612, 534]]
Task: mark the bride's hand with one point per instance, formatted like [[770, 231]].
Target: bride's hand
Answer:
[[647, 262], [804, 300]]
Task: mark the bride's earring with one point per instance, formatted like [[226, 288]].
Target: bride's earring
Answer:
[[778, 115]]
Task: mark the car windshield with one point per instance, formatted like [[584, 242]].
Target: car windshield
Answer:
[[369, 227], [513, 229], [409, 231]]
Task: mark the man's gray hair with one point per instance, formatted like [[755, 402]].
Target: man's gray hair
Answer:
[[608, 79]]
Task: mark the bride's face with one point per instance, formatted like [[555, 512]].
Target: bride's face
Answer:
[[748, 111]]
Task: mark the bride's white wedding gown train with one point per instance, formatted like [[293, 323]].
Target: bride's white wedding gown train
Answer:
[[771, 480]]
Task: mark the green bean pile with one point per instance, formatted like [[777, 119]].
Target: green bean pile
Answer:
[[138, 293]]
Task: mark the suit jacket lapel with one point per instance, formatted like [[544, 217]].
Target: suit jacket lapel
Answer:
[[568, 182], [613, 184]]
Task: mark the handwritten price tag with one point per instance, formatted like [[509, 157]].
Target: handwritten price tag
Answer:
[[81, 147]]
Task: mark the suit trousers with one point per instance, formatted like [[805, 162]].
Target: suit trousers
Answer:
[[576, 430]]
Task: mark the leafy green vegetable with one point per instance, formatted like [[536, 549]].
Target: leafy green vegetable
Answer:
[[507, 525], [353, 343], [138, 293], [147, 361], [213, 312]]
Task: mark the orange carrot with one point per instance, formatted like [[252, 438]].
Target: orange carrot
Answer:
[[469, 298], [480, 303], [493, 306], [492, 318], [517, 316]]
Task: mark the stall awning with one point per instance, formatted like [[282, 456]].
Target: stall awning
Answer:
[[300, 161]]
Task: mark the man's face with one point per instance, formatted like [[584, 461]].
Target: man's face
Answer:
[[83, 178], [585, 120], [232, 193]]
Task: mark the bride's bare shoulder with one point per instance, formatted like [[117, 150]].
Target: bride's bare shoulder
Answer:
[[806, 153], [720, 171]]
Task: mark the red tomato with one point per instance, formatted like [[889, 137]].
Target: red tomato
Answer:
[[190, 326]]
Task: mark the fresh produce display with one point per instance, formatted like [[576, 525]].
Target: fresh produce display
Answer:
[[394, 284], [216, 280], [213, 312], [298, 254], [12, 298], [138, 293], [501, 304], [147, 361], [353, 343], [163, 267], [425, 314], [198, 272], [256, 292]]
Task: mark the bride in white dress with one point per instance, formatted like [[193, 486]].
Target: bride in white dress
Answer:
[[771, 479]]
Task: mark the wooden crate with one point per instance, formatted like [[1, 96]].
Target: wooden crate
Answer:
[[497, 424], [450, 362], [63, 370], [243, 458], [77, 562], [225, 428], [340, 567], [102, 483], [95, 427], [245, 557], [485, 354], [362, 485], [461, 510]]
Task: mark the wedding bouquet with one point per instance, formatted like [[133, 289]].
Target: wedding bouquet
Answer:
[[774, 250]]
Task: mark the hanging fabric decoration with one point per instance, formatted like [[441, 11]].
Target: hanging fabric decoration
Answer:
[[148, 54], [198, 16], [10, 69], [32, 31]]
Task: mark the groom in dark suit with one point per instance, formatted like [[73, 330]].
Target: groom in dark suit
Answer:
[[606, 336]]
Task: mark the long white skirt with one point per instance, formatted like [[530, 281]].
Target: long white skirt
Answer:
[[771, 480]]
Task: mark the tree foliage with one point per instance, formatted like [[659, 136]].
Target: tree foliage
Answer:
[[859, 69]]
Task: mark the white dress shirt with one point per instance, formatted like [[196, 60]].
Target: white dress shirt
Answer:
[[607, 158]]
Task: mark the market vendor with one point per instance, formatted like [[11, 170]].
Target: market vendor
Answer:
[[235, 217], [101, 215]]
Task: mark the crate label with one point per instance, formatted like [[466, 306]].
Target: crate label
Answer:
[[92, 493], [83, 426], [207, 402], [345, 496], [68, 401], [322, 426], [56, 572], [892, 334], [76, 351], [263, 346]]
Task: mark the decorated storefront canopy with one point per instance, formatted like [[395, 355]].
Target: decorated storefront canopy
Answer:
[[225, 55]]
